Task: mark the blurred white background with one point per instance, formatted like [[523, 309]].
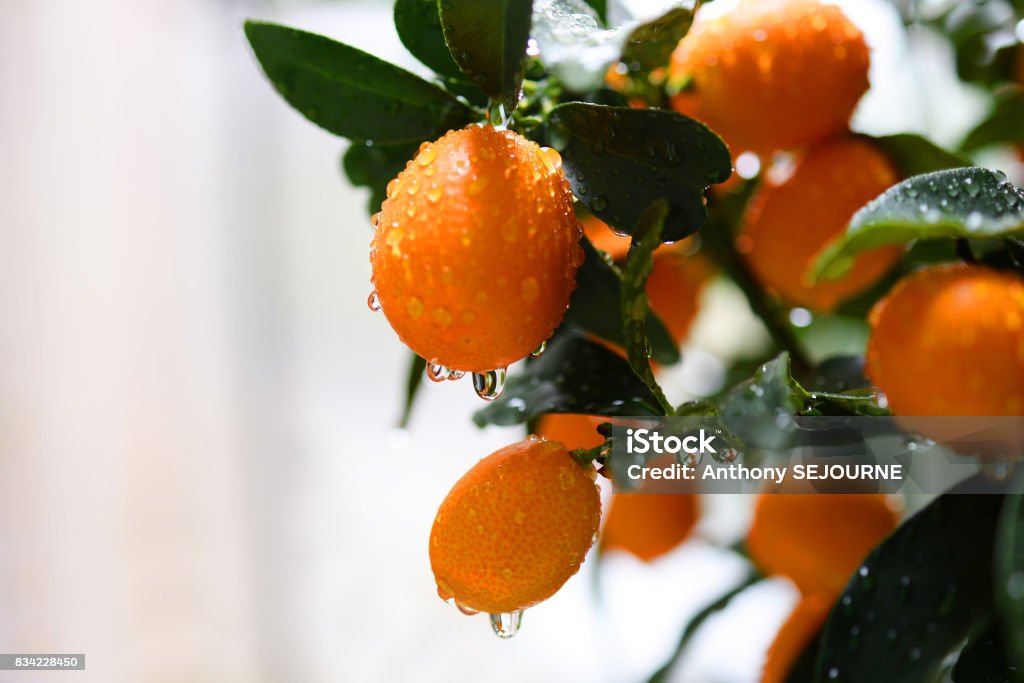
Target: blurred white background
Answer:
[[198, 475]]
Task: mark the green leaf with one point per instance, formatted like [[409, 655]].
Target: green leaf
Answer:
[[983, 659], [634, 304], [1010, 570], [917, 595], [351, 93], [650, 44], [600, 8], [621, 160], [1003, 124], [573, 376], [771, 392], [487, 39], [598, 291], [373, 166], [413, 382], [964, 202], [913, 155], [418, 23]]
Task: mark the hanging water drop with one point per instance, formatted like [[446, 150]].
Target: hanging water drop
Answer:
[[437, 372], [539, 351], [373, 301], [507, 624], [490, 384], [455, 375]]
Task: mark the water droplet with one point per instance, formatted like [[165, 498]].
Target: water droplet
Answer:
[[455, 375], [490, 384], [599, 203], [507, 624], [468, 611], [437, 372], [373, 301], [539, 351], [800, 317]]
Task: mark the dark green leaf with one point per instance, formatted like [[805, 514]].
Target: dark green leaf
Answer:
[[983, 659], [1004, 124], [650, 45], [351, 93], [598, 291], [620, 161], [573, 376], [964, 202], [770, 393], [913, 155], [373, 166], [918, 594], [487, 39], [634, 304], [1010, 570], [418, 23], [413, 382]]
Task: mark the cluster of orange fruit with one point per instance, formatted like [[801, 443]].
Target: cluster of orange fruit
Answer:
[[474, 260]]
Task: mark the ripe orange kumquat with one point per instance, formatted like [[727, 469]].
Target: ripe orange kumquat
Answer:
[[787, 225], [773, 74], [817, 540], [949, 340], [796, 633], [476, 249], [514, 528], [648, 525]]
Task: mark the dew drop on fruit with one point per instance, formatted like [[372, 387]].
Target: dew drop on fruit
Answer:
[[507, 624], [468, 611], [490, 384], [539, 351], [373, 301], [455, 375], [437, 372]]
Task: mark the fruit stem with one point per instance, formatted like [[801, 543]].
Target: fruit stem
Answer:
[[723, 250]]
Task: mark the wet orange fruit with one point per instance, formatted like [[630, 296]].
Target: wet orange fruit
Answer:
[[675, 282], [571, 430], [648, 525], [949, 340], [514, 528], [794, 636], [476, 249], [817, 540], [773, 74], [788, 224]]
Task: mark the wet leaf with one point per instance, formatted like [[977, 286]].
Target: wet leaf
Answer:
[[351, 93], [418, 23], [574, 375], [964, 202], [373, 166], [983, 659], [1003, 124], [573, 43], [600, 7], [772, 391], [598, 291], [1010, 570], [634, 304], [621, 160], [650, 44], [487, 39], [918, 594], [913, 155]]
